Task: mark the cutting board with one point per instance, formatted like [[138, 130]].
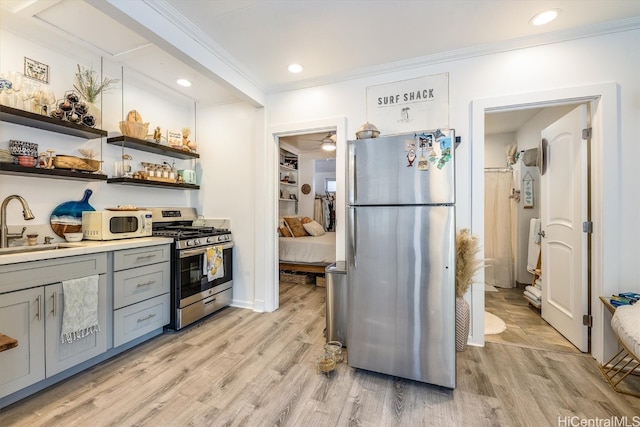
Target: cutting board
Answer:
[[67, 216]]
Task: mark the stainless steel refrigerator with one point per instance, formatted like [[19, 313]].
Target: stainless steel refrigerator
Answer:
[[401, 256]]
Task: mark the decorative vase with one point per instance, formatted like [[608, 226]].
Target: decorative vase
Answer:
[[67, 216], [462, 324]]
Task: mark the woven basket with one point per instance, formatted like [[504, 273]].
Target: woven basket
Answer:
[[302, 279], [71, 162]]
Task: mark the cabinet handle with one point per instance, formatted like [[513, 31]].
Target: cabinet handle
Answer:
[[149, 283], [53, 310], [38, 307], [143, 257], [146, 318]]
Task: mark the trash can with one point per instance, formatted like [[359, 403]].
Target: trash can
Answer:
[[336, 302]]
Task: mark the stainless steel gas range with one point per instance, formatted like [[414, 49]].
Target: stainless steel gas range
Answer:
[[201, 265]]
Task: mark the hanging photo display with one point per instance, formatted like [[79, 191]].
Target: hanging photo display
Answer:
[[407, 105], [436, 145], [527, 189]]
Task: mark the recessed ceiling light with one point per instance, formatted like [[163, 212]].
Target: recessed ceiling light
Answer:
[[295, 68], [184, 82], [545, 17]]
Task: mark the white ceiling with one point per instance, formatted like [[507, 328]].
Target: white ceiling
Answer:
[[334, 40]]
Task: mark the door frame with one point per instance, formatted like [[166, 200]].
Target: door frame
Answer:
[[605, 112], [267, 277]]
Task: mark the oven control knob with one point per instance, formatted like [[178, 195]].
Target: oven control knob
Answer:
[[189, 242], [196, 242], [210, 239]]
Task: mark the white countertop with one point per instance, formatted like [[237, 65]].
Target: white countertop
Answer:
[[84, 247]]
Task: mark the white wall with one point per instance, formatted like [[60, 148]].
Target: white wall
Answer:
[[228, 181], [543, 68], [494, 149]]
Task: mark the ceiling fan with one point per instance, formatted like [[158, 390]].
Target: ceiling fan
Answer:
[[328, 143]]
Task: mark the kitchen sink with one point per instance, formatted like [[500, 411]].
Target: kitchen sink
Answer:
[[37, 248]]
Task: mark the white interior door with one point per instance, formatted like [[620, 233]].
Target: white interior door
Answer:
[[563, 210]]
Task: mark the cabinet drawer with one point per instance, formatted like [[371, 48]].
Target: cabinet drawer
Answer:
[[136, 320], [138, 284], [138, 257]]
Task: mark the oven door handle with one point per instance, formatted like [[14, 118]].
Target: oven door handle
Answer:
[[199, 251]]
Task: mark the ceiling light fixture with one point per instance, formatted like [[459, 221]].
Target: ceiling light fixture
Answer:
[[329, 143], [545, 17], [184, 82], [295, 68]]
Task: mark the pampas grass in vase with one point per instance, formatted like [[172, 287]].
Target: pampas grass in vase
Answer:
[[467, 263]]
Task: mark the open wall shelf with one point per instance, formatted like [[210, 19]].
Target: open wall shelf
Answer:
[[26, 118], [149, 183], [151, 147], [13, 169]]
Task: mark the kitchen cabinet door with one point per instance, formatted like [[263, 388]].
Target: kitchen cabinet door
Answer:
[[22, 318], [59, 355]]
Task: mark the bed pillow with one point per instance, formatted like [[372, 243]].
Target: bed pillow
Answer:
[[295, 225], [284, 232], [305, 220], [314, 228]]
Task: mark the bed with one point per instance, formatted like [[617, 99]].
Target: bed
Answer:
[[308, 253]]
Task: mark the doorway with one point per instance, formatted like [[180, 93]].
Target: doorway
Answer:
[[604, 99], [267, 296], [511, 255]]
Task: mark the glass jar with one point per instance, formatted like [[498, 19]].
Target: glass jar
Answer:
[[334, 348], [325, 364]]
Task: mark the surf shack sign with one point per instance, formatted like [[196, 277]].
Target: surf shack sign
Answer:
[[410, 105]]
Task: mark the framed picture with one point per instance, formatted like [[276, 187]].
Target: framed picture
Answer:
[[36, 70], [409, 105], [527, 191], [174, 138]]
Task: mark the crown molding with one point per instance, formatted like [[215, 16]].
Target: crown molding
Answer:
[[467, 53], [194, 32]]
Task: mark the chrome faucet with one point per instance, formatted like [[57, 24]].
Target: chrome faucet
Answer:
[[4, 231]]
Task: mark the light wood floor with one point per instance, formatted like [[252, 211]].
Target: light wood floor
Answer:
[[241, 368], [525, 327]]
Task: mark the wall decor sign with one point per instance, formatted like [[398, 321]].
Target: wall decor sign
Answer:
[[527, 190], [174, 138], [409, 105], [36, 70]]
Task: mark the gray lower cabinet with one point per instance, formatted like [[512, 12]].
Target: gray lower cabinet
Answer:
[[61, 356], [141, 292], [21, 318], [33, 316]]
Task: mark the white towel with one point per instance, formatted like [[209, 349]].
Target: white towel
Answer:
[[80, 308], [535, 291], [534, 249], [214, 263], [531, 296]]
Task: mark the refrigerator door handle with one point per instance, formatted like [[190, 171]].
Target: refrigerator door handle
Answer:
[[353, 258], [351, 179]]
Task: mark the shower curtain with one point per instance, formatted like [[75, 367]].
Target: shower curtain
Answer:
[[498, 228]]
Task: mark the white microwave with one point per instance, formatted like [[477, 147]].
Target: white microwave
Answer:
[[116, 224]]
